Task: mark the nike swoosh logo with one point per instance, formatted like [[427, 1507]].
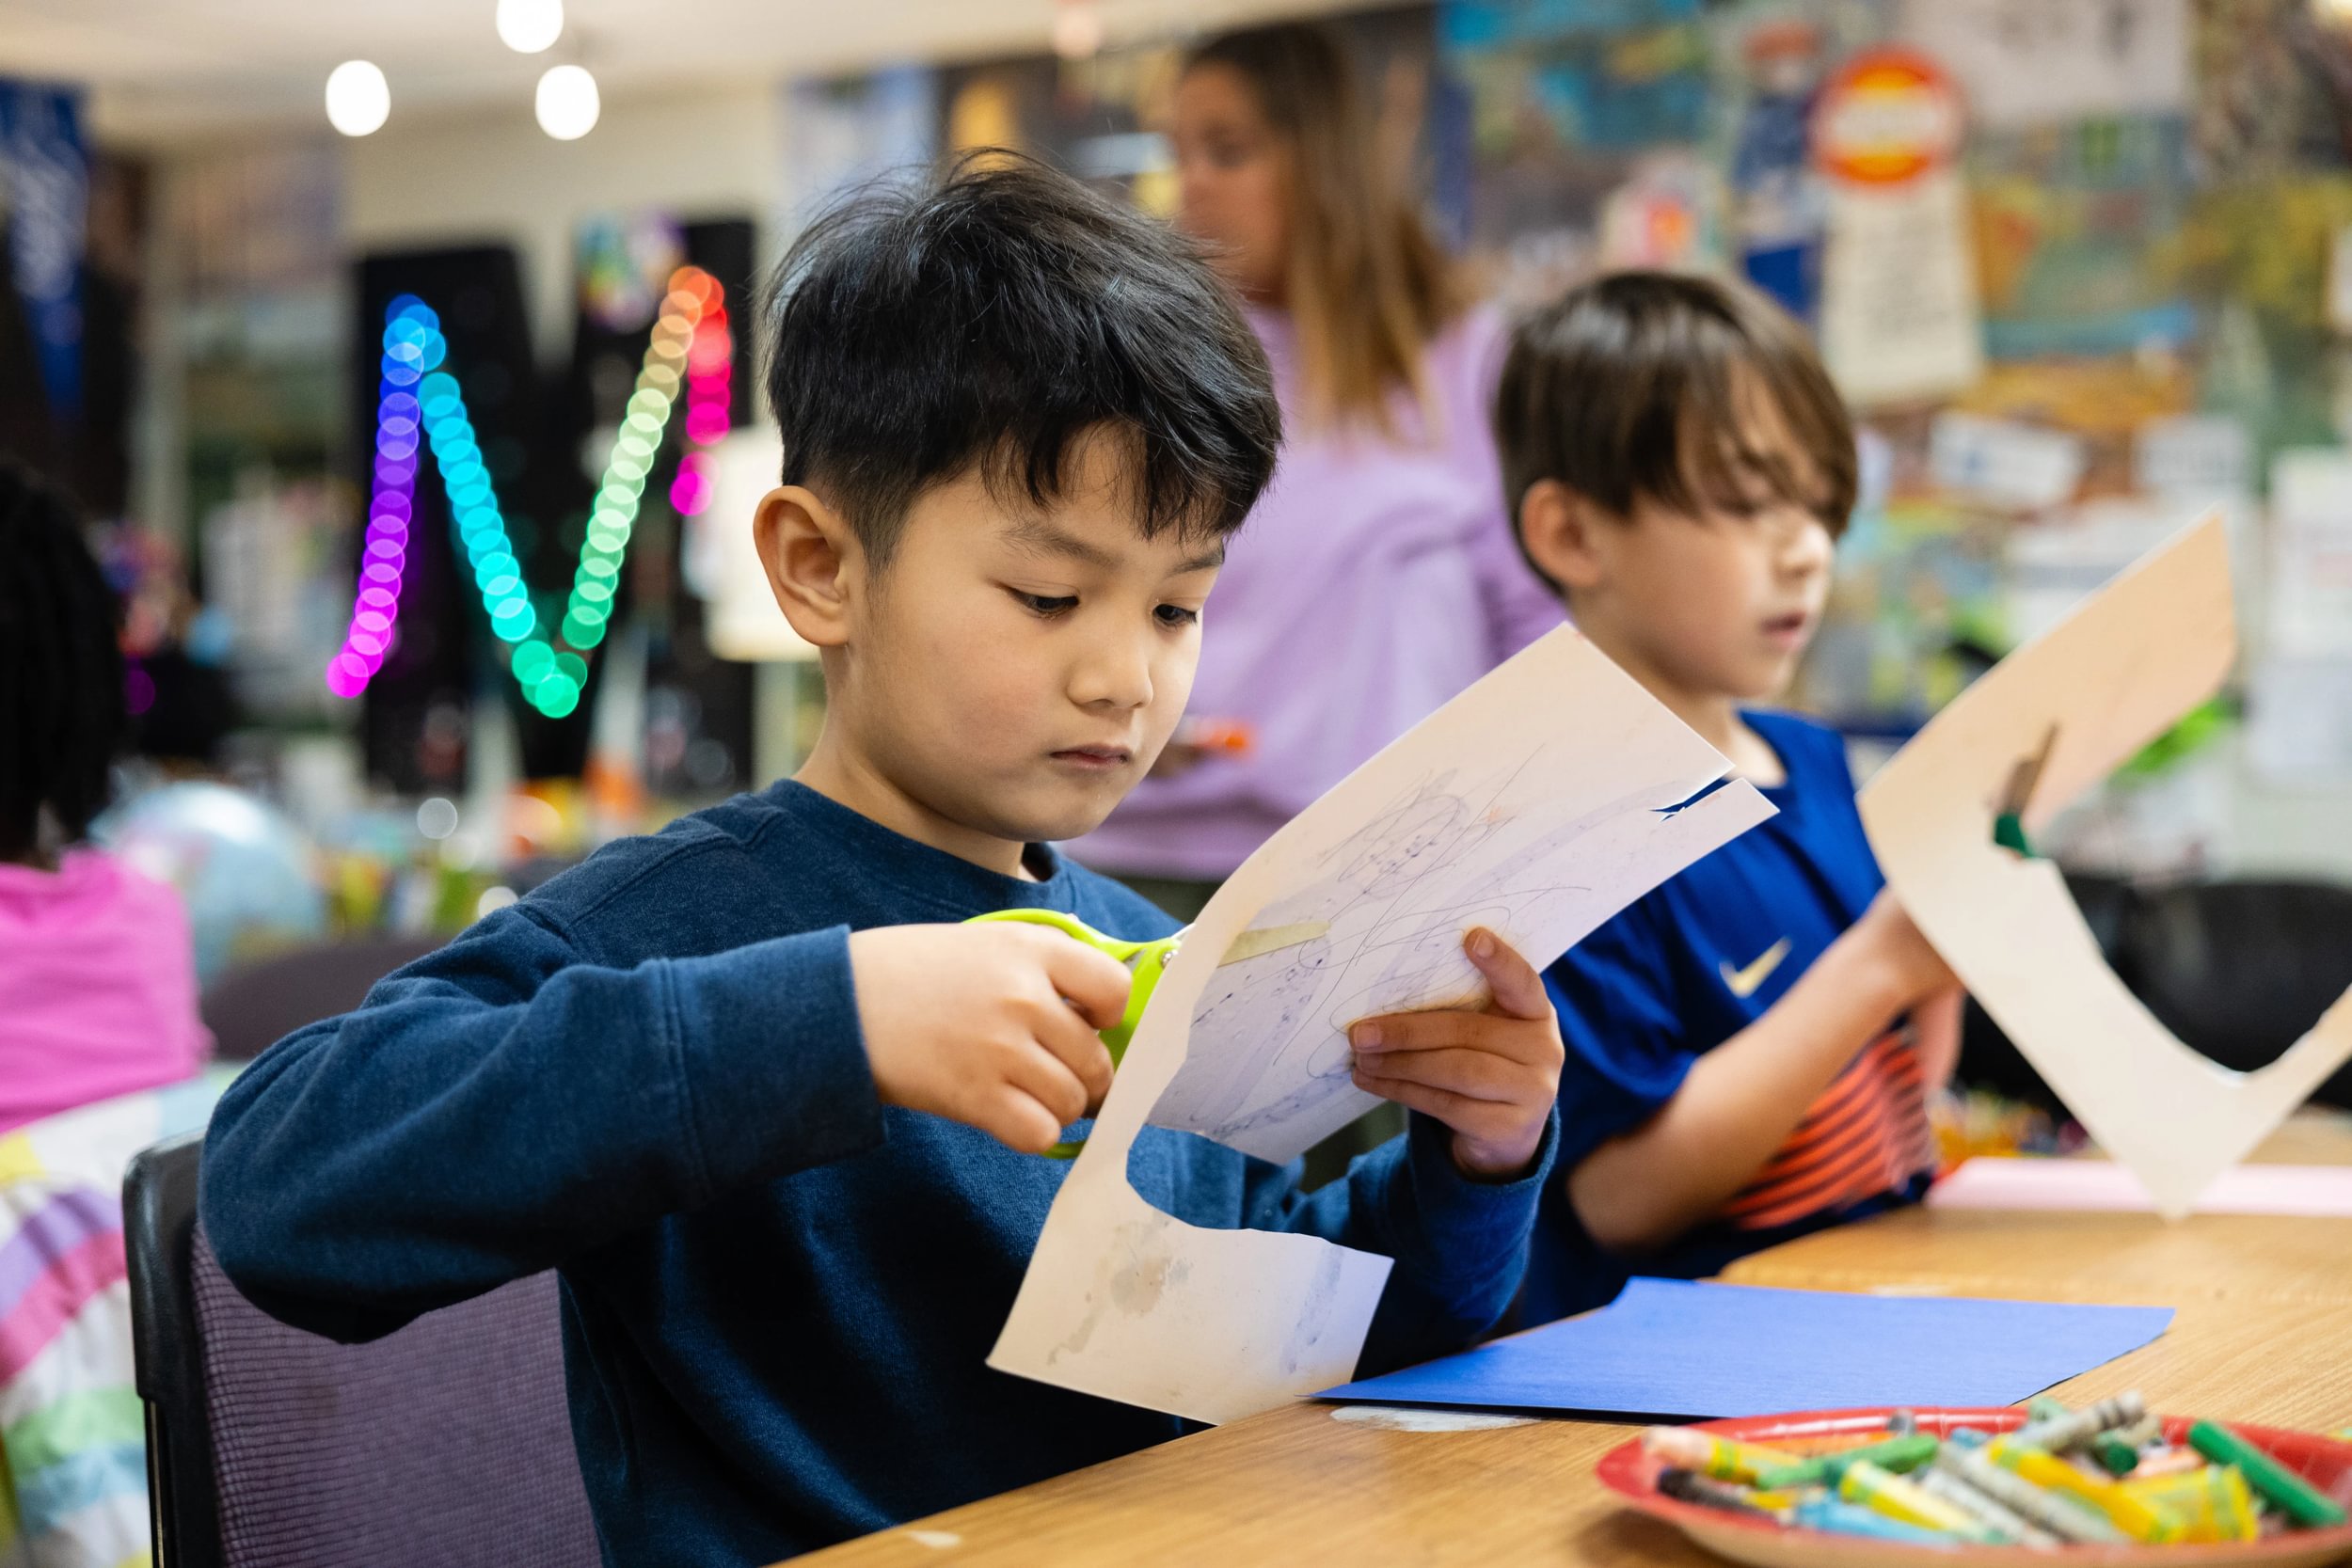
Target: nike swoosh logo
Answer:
[[1743, 982]]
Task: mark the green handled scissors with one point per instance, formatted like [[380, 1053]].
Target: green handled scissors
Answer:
[[1145, 960]]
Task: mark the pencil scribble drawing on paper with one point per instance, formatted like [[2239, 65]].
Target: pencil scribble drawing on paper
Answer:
[[1537, 803], [1268, 1067]]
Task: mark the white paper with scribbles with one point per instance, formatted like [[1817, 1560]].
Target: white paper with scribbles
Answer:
[[1537, 803]]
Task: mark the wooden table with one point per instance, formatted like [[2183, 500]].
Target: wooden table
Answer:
[[2264, 1333]]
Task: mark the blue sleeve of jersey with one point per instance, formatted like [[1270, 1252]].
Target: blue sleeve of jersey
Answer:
[[1628, 1053]]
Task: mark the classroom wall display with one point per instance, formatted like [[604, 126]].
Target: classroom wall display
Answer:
[[1571, 110], [2031, 63], [45, 172], [2136, 217], [1898, 290], [2078, 237]]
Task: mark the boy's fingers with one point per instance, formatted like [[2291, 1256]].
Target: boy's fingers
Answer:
[[1519, 989], [1023, 1126], [1473, 1074], [1077, 1049], [1095, 983], [1050, 1083], [1498, 1033], [1447, 1107]]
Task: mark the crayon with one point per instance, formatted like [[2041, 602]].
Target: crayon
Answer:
[[2060, 1516], [1998, 1517], [2135, 1519], [1902, 1423], [2115, 1456], [2119, 1451], [2165, 1461], [1898, 1455], [1723, 1458], [2067, 1428], [2214, 1504], [1692, 1487], [1827, 1514], [2042, 1407], [2279, 1486], [1882, 1491]]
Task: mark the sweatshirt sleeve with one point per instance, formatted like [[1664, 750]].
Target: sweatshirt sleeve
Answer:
[[1519, 606], [507, 1103], [1460, 1246]]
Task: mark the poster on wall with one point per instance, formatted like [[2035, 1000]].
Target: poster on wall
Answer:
[[1583, 127], [2034, 62], [1900, 319], [2076, 236]]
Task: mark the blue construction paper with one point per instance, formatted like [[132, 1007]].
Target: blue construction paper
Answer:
[[1672, 1348]]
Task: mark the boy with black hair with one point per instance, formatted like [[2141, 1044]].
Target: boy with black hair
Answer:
[[781, 1143], [1751, 1043]]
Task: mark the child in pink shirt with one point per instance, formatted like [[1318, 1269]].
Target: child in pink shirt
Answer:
[[97, 974]]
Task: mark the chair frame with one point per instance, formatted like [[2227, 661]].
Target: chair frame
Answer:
[[159, 1206]]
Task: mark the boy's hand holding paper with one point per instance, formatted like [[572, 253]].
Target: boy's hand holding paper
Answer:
[[1489, 1075]]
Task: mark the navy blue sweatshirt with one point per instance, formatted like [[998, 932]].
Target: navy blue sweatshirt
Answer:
[[778, 1293]]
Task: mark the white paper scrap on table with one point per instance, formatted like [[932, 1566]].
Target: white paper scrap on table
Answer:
[[2004, 1181], [2108, 679], [1537, 803]]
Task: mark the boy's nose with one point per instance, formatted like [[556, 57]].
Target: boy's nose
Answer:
[[1805, 547], [1115, 672]]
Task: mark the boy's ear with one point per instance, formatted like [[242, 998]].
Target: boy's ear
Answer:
[[1563, 533], [810, 555]]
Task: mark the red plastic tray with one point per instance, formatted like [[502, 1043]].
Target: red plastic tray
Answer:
[[1633, 1475]]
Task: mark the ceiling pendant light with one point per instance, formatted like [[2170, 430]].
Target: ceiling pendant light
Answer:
[[359, 100], [527, 26], [568, 104]]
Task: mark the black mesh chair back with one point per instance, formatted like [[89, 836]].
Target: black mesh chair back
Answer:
[[445, 1443], [2238, 970], [255, 1006]]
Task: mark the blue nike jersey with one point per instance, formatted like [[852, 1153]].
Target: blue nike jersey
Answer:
[[1692, 964]]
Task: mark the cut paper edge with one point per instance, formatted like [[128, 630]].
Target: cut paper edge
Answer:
[[2113, 675]]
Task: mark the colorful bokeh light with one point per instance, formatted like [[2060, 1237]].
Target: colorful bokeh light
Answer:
[[420, 406]]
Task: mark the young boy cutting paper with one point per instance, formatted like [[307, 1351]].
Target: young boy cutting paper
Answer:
[[1750, 1045], [751, 1084]]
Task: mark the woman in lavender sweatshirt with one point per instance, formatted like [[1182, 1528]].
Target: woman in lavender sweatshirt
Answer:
[[1378, 575]]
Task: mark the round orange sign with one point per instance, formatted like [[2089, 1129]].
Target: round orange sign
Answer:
[[1886, 116]]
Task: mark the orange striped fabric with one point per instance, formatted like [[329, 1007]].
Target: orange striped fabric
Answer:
[[1865, 1135]]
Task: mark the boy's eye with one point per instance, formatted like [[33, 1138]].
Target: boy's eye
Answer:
[[1042, 604], [1176, 615]]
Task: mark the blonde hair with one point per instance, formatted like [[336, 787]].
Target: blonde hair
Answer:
[[1366, 284]]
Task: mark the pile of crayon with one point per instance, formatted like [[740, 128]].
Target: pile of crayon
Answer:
[[2103, 1475]]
